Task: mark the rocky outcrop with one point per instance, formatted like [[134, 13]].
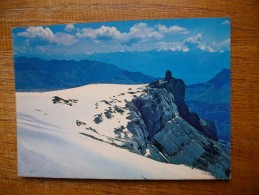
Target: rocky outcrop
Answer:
[[176, 87], [162, 124]]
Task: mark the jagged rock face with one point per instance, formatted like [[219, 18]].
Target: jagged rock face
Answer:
[[138, 128], [162, 123], [156, 107]]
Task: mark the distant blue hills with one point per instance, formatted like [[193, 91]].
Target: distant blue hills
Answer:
[[200, 65], [211, 101], [35, 74], [194, 66]]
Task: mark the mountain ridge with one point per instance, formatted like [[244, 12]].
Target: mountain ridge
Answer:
[[202, 65], [34, 74]]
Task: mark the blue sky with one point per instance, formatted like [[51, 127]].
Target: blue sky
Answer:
[[177, 35]]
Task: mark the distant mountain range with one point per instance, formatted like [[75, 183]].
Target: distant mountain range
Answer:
[[201, 65], [35, 74], [211, 100]]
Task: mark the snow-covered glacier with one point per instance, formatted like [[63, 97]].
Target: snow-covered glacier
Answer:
[[118, 132]]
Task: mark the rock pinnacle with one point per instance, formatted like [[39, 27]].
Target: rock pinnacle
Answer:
[[168, 75]]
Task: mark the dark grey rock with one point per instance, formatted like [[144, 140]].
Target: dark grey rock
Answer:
[[155, 108], [177, 88], [183, 144], [98, 118]]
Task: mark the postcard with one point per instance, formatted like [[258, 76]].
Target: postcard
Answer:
[[140, 99]]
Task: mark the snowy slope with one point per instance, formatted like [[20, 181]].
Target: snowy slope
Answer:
[[52, 141]]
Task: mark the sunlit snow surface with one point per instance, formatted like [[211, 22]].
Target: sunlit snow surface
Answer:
[[50, 143]]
